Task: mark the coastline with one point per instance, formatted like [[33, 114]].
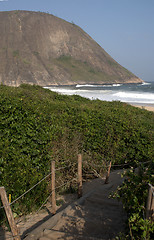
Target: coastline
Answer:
[[149, 107]]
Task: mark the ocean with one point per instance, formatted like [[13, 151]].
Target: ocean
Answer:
[[138, 94]]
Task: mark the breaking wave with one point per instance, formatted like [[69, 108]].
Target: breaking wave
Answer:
[[98, 86], [135, 97], [131, 93]]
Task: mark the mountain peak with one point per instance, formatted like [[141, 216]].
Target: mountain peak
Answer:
[[39, 48]]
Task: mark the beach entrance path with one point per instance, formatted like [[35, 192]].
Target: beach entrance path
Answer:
[[94, 216]]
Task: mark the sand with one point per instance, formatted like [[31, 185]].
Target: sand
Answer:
[[95, 196], [149, 107]]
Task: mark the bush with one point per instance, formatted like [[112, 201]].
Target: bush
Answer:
[[134, 193], [38, 125]]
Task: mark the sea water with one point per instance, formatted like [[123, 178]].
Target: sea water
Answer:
[[139, 94]]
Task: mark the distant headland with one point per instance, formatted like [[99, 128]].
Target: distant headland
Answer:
[[39, 48]]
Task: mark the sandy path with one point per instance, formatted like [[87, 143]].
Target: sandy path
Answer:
[[94, 216]]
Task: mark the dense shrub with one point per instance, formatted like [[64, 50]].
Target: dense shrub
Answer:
[[38, 125], [133, 193]]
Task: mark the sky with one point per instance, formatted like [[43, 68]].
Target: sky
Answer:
[[123, 28]]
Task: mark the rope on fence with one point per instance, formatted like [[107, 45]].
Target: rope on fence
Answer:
[[120, 165], [96, 165], [51, 194], [36, 185], [124, 164], [33, 187], [48, 198], [62, 168], [65, 183], [28, 190], [2, 207], [52, 191], [44, 202], [96, 172], [116, 165]]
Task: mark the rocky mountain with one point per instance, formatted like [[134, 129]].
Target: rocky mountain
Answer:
[[39, 48]]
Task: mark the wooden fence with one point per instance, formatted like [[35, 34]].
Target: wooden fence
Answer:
[[150, 203], [7, 204]]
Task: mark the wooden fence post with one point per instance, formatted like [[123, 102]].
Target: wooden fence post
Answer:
[[53, 187], [150, 203], [108, 174], [9, 214], [79, 175]]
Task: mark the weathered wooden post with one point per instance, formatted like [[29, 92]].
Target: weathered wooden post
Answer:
[[79, 175], [9, 214], [108, 174], [53, 187], [150, 203]]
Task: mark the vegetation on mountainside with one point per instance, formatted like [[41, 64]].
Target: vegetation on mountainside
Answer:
[[85, 72], [64, 53], [38, 125]]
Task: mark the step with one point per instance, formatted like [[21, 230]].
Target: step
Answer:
[[44, 238], [92, 212], [53, 235], [88, 226], [100, 201], [93, 216]]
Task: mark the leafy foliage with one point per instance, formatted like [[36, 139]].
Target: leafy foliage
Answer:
[[133, 194], [38, 125], [83, 70]]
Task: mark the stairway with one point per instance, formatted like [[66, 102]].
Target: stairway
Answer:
[[94, 216]]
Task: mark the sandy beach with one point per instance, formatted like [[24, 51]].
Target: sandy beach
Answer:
[[149, 107]]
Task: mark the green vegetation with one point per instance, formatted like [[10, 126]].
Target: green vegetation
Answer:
[[38, 125], [113, 63], [115, 66], [82, 70], [35, 53], [26, 61], [73, 23], [133, 194], [15, 53], [16, 11]]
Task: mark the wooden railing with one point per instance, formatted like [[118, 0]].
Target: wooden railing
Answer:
[[150, 203], [7, 204]]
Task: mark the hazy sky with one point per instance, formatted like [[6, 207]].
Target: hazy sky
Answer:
[[124, 28]]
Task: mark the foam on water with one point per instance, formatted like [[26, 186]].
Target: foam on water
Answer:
[[117, 85], [146, 83], [135, 97], [147, 96], [68, 91], [85, 85], [98, 86], [134, 93]]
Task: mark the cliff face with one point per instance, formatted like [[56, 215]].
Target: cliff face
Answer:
[[39, 48]]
